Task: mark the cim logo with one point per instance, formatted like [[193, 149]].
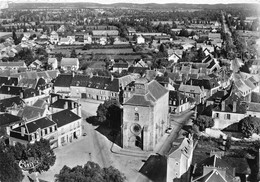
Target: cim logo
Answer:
[[26, 165]]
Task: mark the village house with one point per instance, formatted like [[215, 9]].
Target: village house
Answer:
[[178, 102], [144, 115], [9, 121], [11, 105], [196, 92], [119, 67], [69, 64], [69, 126], [53, 63], [35, 64], [54, 37], [62, 84], [29, 132], [230, 110], [179, 159], [140, 39], [58, 104]]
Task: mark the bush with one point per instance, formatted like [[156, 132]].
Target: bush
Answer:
[[204, 122]]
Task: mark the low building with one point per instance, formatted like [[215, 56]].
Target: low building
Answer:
[[12, 65], [140, 39], [9, 121]]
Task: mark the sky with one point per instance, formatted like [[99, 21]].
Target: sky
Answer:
[[146, 1]]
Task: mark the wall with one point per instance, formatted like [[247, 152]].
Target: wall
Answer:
[[61, 89], [221, 122], [67, 132]]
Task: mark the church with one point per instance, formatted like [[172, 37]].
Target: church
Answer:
[[145, 115]]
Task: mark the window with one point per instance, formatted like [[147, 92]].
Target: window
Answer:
[[228, 116], [45, 131], [174, 102], [50, 129], [216, 115], [136, 117]]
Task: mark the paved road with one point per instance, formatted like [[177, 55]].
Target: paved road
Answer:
[[99, 150]]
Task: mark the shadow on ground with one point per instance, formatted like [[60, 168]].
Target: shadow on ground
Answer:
[[114, 135], [111, 134]]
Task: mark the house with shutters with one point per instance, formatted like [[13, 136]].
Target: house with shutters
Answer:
[[69, 126], [228, 111], [179, 102], [29, 132], [196, 92]]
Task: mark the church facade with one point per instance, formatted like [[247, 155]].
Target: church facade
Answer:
[[145, 115]]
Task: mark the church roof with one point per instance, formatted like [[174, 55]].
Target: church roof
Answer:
[[154, 92]]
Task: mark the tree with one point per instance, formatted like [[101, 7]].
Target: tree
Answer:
[[73, 53], [91, 172], [15, 38], [110, 111], [204, 122], [9, 169], [249, 125]]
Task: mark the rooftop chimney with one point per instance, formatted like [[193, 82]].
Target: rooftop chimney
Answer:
[[23, 131], [234, 106], [223, 106], [66, 106]]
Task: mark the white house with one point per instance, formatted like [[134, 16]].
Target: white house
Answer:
[[140, 39], [69, 64], [69, 126], [53, 62]]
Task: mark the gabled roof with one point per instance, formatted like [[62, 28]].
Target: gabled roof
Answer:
[[64, 117], [32, 126], [190, 88], [8, 80], [206, 83], [10, 102], [31, 112], [213, 176], [29, 83], [215, 161], [177, 96], [69, 62], [8, 119], [13, 64], [60, 103], [63, 80], [11, 90], [40, 103]]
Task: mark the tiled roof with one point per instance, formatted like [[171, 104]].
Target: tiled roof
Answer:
[[240, 105], [253, 106], [11, 64], [206, 83], [10, 102], [217, 162], [7, 119], [34, 125], [26, 82], [8, 80], [154, 92], [31, 112], [64, 117], [40, 103], [11, 90], [189, 88], [140, 70], [101, 82], [177, 96], [63, 80], [69, 61], [213, 176], [60, 103]]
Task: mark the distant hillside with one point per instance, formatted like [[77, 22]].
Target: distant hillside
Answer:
[[132, 6]]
